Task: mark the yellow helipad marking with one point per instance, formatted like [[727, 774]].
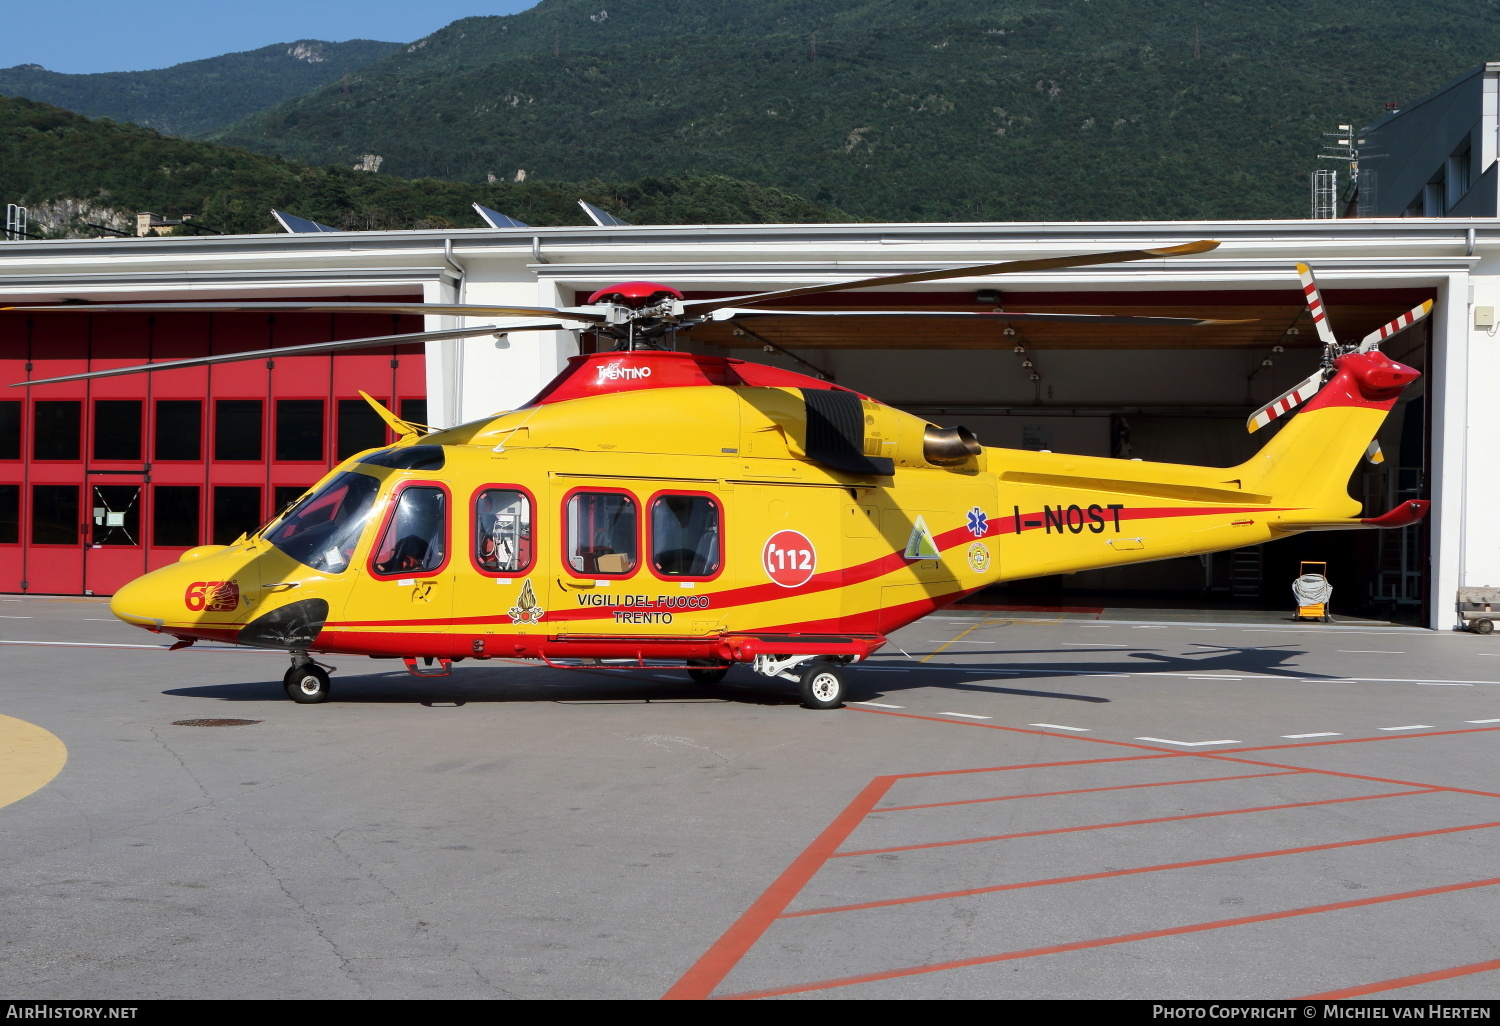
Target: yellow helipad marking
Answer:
[[29, 758]]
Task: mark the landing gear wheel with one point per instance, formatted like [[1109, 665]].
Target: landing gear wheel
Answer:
[[708, 673], [1483, 625], [822, 685], [307, 684]]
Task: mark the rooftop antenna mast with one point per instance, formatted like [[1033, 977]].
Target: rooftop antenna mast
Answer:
[[1345, 149]]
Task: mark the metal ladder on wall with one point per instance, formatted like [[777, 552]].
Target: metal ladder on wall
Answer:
[[1399, 571], [1247, 572]]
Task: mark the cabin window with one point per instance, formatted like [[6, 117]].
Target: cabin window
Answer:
[[502, 530], [685, 532], [601, 533], [322, 530], [415, 540]]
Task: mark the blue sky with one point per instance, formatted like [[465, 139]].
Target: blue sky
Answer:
[[130, 35]]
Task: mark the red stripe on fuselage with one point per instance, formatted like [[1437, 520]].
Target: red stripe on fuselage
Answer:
[[829, 580]]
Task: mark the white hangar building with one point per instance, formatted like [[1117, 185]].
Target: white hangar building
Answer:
[[100, 481]]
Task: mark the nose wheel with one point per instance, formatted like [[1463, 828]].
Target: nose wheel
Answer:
[[307, 684]]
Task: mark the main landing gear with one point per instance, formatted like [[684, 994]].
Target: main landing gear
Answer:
[[306, 682], [819, 680]]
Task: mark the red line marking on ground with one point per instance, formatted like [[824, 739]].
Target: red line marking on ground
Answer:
[[1128, 822], [721, 958], [1225, 757], [1127, 938], [1404, 981], [1083, 790], [1165, 866], [715, 964]]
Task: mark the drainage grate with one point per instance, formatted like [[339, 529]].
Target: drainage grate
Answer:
[[213, 723]]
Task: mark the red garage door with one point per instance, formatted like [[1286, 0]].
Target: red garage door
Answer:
[[102, 480]]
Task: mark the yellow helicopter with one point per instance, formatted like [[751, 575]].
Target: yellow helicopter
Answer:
[[651, 506]]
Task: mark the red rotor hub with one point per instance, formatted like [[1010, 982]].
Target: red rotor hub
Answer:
[[635, 294]]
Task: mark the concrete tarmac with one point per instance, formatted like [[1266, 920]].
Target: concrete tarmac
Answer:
[[1012, 808]]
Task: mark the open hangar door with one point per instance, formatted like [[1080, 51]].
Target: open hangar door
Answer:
[[1167, 394]]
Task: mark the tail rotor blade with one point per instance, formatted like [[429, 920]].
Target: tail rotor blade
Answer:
[[1315, 305], [1385, 331], [1286, 402]]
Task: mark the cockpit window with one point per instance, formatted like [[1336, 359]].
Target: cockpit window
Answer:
[[322, 530], [409, 457], [416, 538]]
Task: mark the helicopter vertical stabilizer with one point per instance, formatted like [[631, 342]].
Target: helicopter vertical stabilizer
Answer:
[[1308, 463]]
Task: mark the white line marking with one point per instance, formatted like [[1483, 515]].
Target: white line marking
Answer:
[[1059, 726], [968, 716], [1087, 673], [1191, 677], [1148, 627], [1186, 744], [1326, 733], [1203, 628], [1409, 726], [1443, 684], [1482, 721], [17, 618], [1368, 651], [881, 705]]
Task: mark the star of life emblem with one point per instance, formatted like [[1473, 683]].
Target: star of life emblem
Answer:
[[526, 611], [979, 522]]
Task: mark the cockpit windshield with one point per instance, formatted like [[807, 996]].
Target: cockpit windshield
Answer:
[[323, 529]]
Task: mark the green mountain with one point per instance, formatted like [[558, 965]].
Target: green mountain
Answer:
[[71, 171], [198, 96], [900, 109]]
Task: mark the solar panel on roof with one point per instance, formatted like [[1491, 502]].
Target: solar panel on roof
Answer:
[[602, 218], [299, 225], [495, 219]]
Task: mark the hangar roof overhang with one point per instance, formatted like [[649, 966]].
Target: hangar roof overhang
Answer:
[[1360, 261]]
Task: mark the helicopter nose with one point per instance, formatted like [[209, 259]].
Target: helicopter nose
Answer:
[[141, 602]]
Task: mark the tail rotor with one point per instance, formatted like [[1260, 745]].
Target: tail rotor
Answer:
[[1332, 349]]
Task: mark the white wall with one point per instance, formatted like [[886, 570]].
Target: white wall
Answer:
[[1480, 558]]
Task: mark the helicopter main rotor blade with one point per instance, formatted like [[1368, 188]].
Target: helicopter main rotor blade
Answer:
[[311, 349], [1004, 267], [1385, 331], [576, 313], [736, 313]]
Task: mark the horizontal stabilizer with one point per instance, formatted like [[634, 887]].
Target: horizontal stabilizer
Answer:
[[1404, 515]]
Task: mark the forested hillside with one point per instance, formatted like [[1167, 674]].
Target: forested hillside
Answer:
[[899, 109], [197, 96], [72, 171]]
